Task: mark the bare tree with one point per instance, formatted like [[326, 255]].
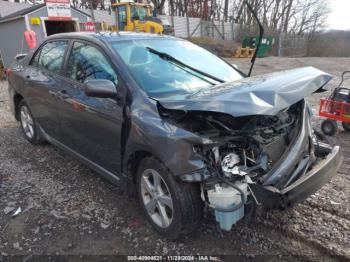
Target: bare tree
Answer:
[[226, 10], [278, 16], [158, 5], [288, 16]]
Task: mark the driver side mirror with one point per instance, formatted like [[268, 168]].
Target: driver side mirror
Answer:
[[102, 88]]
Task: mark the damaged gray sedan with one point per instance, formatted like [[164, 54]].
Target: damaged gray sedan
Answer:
[[175, 124]]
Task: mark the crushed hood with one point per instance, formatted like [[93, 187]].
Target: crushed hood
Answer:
[[259, 95]]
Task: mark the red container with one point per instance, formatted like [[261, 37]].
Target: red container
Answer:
[[335, 110]]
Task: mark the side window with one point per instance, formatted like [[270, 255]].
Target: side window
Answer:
[[87, 62], [51, 56]]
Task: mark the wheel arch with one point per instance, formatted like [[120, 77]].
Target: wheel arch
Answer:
[[131, 165], [17, 98]]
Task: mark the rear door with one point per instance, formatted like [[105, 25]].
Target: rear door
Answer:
[[42, 81], [91, 126]]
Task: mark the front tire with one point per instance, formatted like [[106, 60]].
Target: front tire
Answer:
[[329, 127], [172, 207], [28, 124]]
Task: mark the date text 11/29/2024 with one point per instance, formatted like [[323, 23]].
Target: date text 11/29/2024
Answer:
[[173, 258]]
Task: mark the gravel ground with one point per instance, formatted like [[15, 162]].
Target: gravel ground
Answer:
[[69, 210]]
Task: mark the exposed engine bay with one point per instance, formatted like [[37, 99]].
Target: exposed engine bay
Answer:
[[242, 151], [240, 146]]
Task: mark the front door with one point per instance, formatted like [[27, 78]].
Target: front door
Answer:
[[91, 126]]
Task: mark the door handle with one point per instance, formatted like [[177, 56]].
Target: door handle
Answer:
[[53, 93], [63, 94]]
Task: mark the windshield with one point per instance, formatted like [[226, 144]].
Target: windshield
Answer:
[[160, 77]]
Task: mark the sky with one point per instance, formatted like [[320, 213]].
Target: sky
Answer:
[[339, 18]]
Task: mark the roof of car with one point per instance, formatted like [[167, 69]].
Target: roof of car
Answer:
[[110, 36]]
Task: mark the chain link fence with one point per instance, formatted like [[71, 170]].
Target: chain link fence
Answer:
[[292, 45], [192, 27], [188, 27]]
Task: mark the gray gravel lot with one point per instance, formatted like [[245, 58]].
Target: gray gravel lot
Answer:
[[69, 210]]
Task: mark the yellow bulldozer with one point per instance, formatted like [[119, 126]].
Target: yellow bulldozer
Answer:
[[137, 17]]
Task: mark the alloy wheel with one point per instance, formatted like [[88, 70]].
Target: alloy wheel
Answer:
[[27, 122], [157, 198]]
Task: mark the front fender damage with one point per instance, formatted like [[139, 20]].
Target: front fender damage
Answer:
[[245, 142], [257, 150], [148, 134]]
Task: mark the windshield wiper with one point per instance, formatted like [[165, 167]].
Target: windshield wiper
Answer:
[[172, 59]]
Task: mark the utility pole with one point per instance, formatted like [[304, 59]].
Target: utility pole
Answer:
[[172, 13], [92, 14]]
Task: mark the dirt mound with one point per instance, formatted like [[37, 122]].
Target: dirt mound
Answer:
[[224, 48]]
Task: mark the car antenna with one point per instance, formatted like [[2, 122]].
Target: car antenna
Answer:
[[261, 33]]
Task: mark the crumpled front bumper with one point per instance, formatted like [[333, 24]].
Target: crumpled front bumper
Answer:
[[320, 174]]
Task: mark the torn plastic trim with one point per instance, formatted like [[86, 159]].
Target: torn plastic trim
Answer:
[[314, 179], [283, 169], [259, 95]]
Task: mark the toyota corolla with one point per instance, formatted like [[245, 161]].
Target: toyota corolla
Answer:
[[175, 124]]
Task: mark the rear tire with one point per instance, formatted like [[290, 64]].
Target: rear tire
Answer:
[[329, 127], [159, 193], [29, 127], [346, 126]]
